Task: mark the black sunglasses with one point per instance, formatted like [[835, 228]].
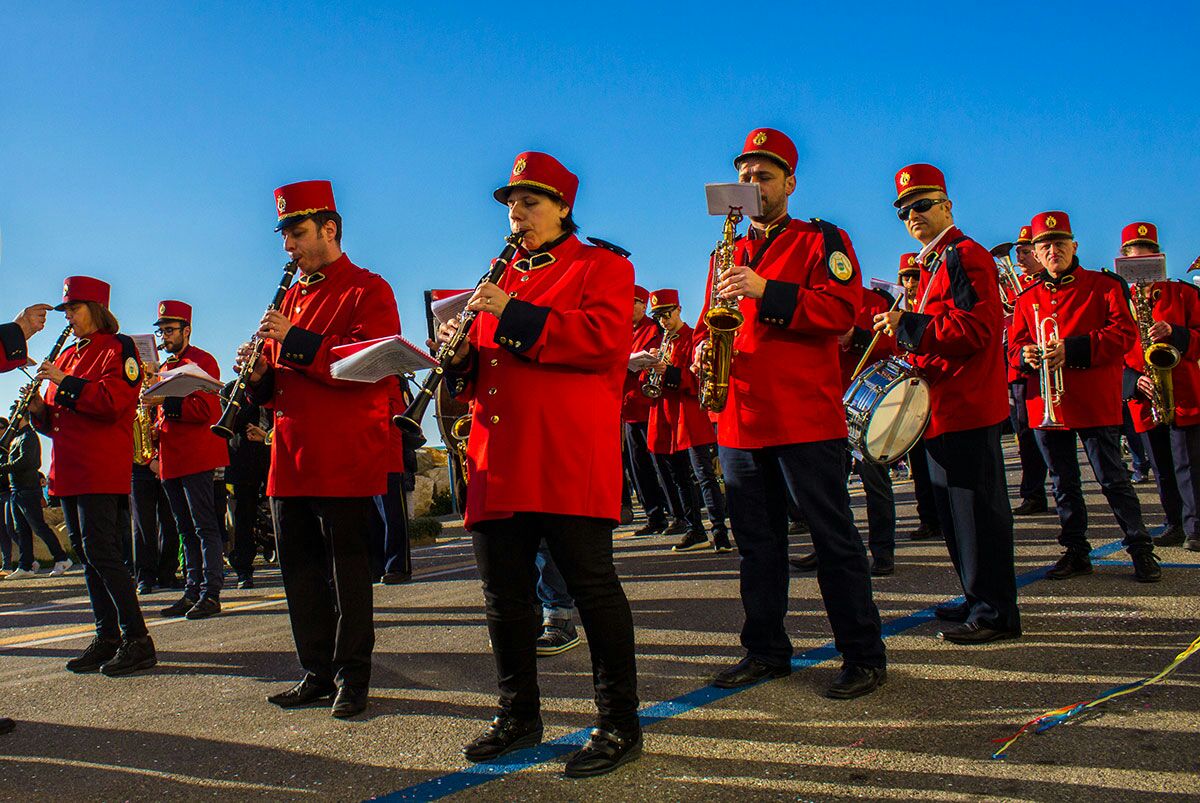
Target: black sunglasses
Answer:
[[922, 206]]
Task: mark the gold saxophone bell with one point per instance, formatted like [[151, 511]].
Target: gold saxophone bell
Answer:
[[723, 320], [1160, 358], [144, 450]]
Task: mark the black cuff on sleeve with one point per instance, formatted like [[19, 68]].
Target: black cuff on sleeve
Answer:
[[173, 407], [672, 376], [300, 346], [1078, 351], [68, 392], [910, 329], [779, 302], [12, 340], [1180, 338], [861, 339], [1129, 378], [521, 325]]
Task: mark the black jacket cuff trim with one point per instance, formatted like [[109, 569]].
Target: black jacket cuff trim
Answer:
[[672, 377], [12, 339], [779, 302], [910, 329], [1129, 378], [1077, 349], [861, 339], [1180, 338], [173, 407], [520, 325], [300, 346], [68, 392]]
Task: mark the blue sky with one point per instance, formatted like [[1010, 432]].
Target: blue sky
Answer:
[[140, 143]]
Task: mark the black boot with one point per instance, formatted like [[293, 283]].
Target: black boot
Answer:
[[504, 735]]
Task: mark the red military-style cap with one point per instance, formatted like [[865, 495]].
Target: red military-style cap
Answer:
[[1051, 226], [174, 311], [84, 288], [918, 178], [1024, 237], [1140, 233], [663, 300], [774, 145], [540, 171], [909, 264], [641, 294], [295, 202]]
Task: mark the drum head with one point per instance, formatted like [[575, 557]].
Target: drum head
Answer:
[[898, 420]]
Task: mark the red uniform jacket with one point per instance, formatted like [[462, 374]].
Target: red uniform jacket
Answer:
[[89, 417], [1177, 303], [957, 341], [1096, 328], [635, 406], [546, 380], [13, 351], [786, 385], [186, 445], [1014, 374], [677, 421], [873, 302], [331, 436]]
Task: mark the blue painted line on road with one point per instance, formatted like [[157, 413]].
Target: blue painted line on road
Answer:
[[479, 774]]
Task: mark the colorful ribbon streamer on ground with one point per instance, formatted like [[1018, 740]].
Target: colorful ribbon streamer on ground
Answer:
[[1058, 716]]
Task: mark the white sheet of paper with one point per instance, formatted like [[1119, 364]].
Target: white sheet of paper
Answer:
[[388, 357], [1142, 269], [183, 381], [640, 360], [147, 351], [450, 307], [723, 197]]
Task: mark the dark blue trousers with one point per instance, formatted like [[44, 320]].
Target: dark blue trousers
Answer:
[[677, 474], [391, 551], [195, 513], [704, 468], [918, 465], [94, 524], [1033, 465], [1103, 448], [1175, 454], [966, 470], [759, 484], [881, 505], [645, 477], [25, 513]]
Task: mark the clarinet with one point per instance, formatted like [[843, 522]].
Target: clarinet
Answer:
[[237, 396], [22, 405], [410, 420]]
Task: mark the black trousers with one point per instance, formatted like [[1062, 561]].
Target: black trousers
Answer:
[[1137, 449], [918, 464], [1175, 454], [704, 470], [94, 526], [677, 473], [759, 484], [966, 470], [155, 537], [390, 548], [1033, 465], [881, 505], [1103, 448], [645, 477], [506, 551], [324, 558], [247, 496]]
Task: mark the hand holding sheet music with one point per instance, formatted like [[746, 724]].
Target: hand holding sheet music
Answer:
[[183, 381]]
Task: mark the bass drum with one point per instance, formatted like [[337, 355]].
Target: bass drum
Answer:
[[887, 410]]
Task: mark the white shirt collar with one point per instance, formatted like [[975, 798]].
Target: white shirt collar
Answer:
[[925, 251]]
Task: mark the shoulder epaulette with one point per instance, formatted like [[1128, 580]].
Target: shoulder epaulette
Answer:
[[605, 244], [884, 294], [131, 361], [1120, 280]]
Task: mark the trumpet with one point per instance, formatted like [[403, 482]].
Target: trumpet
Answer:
[[652, 388], [1010, 279], [21, 408], [237, 395], [1051, 380], [723, 320], [1160, 358]]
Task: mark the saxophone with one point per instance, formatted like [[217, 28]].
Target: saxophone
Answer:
[[652, 388], [143, 428], [723, 320], [1160, 357]]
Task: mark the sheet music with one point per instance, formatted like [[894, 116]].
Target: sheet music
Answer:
[[382, 358], [891, 288], [183, 381], [1142, 269], [450, 307], [147, 351]]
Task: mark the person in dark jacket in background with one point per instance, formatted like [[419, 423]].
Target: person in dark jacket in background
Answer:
[[23, 511]]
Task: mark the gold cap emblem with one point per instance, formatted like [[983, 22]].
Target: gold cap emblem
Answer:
[[1051, 221], [281, 204], [1024, 232], [162, 309], [519, 167], [760, 137], [1142, 230], [904, 179], [653, 300]]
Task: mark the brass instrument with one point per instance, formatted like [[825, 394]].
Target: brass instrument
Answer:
[[21, 408], [723, 320], [460, 434], [1046, 330], [237, 395], [1160, 357], [652, 388], [144, 449], [1010, 278]]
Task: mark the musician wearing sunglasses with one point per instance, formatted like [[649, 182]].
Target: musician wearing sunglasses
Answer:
[[544, 365], [329, 456], [1033, 465], [782, 433], [15, 335], [955, 338], [87, 412], [1168, 424], [1077, 322]]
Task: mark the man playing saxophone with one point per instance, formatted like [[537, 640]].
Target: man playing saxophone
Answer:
[[1166, 414], [1094, 331], [782, 432]]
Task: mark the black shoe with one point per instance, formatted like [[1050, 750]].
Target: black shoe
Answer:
[[306, 692], [975, 633], [144, 587], [604, 752], [747, 672], [692, 542], [1193, 544], [651, 528], [855, 681], [206, 607], [349, 702], [925, 532], [676, 527], [798, 528], [133, 655], [1146, 568], [1172, 536], [179, 608], [396, 578], [245, 580], [807, 563], [504, 735], [558, 636], [882, 567], [6, 725], [626, 515], [1071, 564], [96, 654], [953, 612], [721, 542], [1031, 507]]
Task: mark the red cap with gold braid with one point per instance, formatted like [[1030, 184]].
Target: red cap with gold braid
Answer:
[[78, 289], [916, 178], [1051, 226], [295, 202], [663, 301], [908, 264], [1025, 237], [775, 145], [1140, 233], [174, 311], [540, 171], [641, 294]]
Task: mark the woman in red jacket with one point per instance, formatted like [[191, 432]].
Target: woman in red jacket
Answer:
[[87, 412], [544, 368]]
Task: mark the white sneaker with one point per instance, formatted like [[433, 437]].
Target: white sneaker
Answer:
[[18, 573], [60, 567]]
